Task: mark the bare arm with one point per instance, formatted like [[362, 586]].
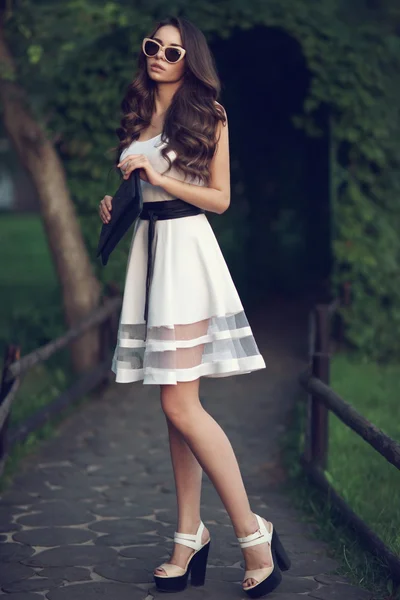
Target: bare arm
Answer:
[[214, 198]]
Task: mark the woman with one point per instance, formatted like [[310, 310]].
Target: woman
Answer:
[[189, 323]]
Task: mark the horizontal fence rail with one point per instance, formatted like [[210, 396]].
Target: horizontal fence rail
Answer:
[[106, 318], [369, 538], [23, 365], [80, 387], [321, 401], [382, 443]]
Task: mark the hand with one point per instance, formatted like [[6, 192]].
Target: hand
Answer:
[[105, 208], [140, 161]]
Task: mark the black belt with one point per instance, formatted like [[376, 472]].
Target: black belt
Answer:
[[164, 209]]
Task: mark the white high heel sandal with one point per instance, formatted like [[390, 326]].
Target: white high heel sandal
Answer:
[[267, 578], [176, 578]]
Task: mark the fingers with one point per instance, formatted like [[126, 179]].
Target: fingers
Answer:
[[108, 202], [105, 209], [128, 171], [132, 162]]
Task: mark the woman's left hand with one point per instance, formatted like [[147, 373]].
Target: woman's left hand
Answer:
[[140, 161]]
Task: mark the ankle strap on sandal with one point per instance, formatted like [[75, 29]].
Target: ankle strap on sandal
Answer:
[[261, 536], [190, 540]]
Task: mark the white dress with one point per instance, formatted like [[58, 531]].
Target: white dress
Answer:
[[196, 323]]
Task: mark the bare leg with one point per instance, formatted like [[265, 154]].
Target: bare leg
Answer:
[[188, 475], [213, 451]]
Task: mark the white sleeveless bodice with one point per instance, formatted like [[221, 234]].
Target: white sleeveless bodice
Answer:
[[152, 149]]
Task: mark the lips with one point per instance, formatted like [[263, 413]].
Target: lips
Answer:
[[156, 67]]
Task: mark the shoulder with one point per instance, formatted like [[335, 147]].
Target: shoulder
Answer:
[[222, 109], [222, 124], [221, 130]]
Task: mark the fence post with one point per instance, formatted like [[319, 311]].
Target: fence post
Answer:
[[113, 291], [109, 330], [12, 353], [319, 414], [345, 301], [105, 348]]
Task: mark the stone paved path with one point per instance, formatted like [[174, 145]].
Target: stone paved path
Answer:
[[93, 512]]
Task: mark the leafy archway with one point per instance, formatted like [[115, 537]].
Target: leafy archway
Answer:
[[352, 57], [279, 170]]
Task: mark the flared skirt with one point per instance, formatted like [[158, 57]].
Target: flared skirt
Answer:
[[196, 324]]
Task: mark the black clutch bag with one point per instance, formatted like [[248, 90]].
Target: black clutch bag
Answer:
[[127, 205]]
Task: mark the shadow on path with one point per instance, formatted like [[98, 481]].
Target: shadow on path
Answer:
[[93, 512]]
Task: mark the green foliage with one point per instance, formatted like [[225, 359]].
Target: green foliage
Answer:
[[31, 303], [40, 387], [368, 483], [355, 563], [373, 390], [367, 249], [36, 325], [352, 53]]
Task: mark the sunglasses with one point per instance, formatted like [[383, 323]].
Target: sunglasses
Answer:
[[172, 54]]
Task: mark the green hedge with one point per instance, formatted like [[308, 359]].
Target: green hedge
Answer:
[[352, 54]]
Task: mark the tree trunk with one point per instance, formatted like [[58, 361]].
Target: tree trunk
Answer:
[[80, 288]]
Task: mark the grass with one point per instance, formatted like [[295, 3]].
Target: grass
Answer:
[[39, 388], [27, 275], [366, 481], [369, 484], [26, 256], [30, 314]]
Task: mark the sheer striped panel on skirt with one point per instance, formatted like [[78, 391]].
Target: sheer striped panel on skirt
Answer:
[[218, 346]]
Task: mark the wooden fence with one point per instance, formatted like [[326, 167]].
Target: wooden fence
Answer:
[[106, 317], [321, 400]]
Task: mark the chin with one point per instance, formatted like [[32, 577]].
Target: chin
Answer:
[[155, 76]]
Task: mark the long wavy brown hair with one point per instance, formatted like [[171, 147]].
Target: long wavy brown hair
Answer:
[[193, 115]]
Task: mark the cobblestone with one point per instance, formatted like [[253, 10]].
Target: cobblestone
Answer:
[[93, 512]]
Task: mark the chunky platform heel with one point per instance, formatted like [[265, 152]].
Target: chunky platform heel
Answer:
[[176, 578], [267, 578], [281, 555], [199, 566]]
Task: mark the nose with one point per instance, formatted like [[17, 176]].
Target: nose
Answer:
[[158, 55]]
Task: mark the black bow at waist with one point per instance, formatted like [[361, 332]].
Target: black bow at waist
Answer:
[[164, 209]]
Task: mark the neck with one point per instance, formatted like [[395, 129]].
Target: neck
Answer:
[[163, 96]]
